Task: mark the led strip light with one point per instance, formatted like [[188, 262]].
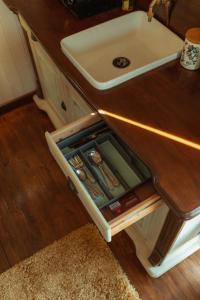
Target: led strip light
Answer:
[[162, 133]]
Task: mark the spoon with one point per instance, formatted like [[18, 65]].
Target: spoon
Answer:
[[94, 191], [110, 179]]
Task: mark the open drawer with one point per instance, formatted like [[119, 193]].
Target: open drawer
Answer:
[[116, 214]]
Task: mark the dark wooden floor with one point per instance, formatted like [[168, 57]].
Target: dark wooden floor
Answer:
[[36, 208]]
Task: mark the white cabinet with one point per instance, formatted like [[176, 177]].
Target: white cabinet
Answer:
[[61, 101], [17, 76], [50, 80], [76, 107]]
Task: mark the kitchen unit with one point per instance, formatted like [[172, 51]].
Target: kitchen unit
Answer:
[[60, 100], [165, 231]]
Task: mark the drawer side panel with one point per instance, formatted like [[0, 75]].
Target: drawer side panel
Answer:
[[84, 196]]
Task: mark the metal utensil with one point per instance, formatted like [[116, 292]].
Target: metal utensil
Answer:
[[110, 180], [77, 163], [88, 138], [92, 189]]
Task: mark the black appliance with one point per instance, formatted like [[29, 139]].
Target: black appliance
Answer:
[[86, 8]]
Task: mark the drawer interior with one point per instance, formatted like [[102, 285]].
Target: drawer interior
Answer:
[[131, 195], [111, 171]]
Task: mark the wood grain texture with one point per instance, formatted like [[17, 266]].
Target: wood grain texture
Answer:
[[180, 283], [4, 264], [36, 208], [166, 98], [36, 205]]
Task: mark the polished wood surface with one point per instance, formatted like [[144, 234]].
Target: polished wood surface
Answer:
[[37, 207], [166, 98]]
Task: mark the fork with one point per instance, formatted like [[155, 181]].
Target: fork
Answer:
[[77, 163]]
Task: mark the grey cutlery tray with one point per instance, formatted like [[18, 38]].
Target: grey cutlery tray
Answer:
[[123, 163]]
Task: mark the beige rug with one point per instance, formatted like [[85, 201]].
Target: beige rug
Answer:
[[80, 266]]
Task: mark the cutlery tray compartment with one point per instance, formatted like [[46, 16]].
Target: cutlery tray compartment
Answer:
[[122, 170], [113, 184]]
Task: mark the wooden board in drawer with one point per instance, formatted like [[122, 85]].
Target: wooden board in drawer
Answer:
[[117, 191]]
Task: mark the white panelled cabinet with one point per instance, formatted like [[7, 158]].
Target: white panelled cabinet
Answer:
[[144, 223], [61, 101], [17, 76]]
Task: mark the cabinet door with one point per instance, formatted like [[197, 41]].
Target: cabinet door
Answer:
[[17, 77], [58, 92], [76, 106], [49, 79]]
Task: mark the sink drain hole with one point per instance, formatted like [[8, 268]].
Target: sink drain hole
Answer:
[[121, 62]]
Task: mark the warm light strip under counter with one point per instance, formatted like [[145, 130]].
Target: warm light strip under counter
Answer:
[[162, 133]]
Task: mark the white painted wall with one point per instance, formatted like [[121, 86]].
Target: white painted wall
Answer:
[[17, 76]]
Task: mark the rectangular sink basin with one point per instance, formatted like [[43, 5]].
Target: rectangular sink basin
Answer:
[[120, 49]]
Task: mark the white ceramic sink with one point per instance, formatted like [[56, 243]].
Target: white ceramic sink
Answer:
[[147, 45]]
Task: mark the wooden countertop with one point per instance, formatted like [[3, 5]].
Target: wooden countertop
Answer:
[[167, 98]]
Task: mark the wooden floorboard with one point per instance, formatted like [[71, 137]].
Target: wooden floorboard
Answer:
[[37, 207], [4, 264]]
